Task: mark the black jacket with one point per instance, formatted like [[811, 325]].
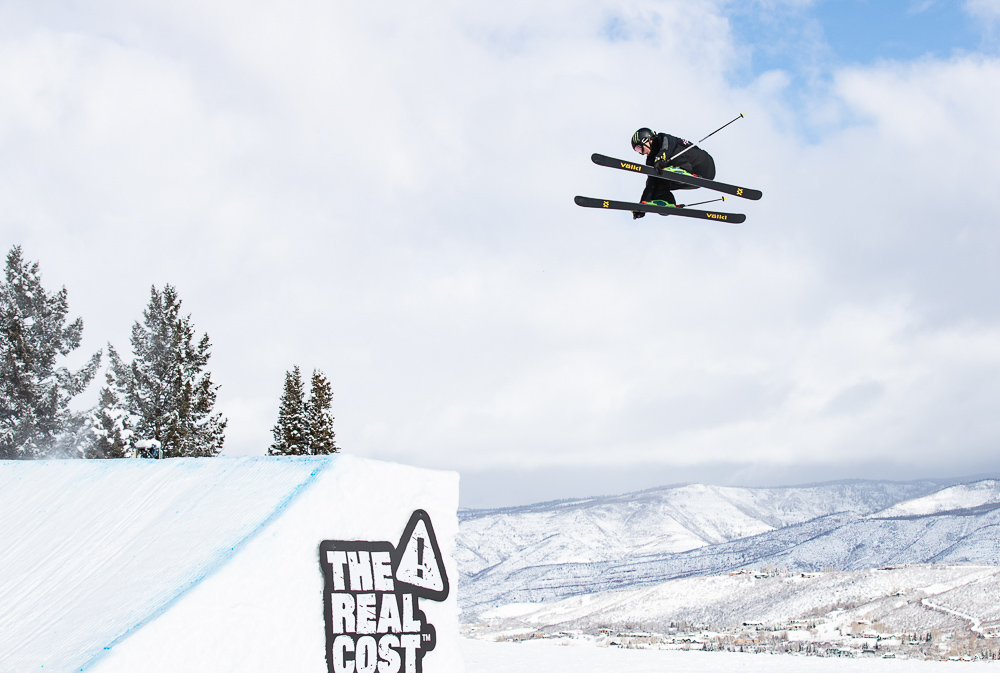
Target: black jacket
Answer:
[[694, 160]]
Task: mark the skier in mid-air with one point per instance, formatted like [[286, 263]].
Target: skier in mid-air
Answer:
[[666, 151], [671, 163]]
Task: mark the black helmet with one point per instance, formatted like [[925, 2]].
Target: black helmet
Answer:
[[641, 136]]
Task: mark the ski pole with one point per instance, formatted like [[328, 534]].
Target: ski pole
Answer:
[[701, 203], [706, 137]]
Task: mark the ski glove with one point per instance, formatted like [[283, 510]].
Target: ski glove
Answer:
[[636, 214]]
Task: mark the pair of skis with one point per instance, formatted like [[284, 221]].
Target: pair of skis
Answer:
[[675, 175]]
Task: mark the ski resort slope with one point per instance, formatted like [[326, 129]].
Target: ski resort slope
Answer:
[[196, 564]]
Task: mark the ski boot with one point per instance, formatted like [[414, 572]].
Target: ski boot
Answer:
[[661, 203]]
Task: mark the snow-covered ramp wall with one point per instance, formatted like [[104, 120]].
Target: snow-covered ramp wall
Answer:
[[211, 564]]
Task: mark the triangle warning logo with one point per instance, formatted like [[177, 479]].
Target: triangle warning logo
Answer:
[[419, 563]]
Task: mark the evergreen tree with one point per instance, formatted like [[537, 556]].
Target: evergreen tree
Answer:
[[165, 387], [321, 435], [291, 432], [110, 424], [75, 437], [34, 393]]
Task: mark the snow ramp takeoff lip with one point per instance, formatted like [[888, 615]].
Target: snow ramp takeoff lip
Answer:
[[218, 557]]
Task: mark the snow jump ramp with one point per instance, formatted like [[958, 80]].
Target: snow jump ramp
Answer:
[[328, 565]]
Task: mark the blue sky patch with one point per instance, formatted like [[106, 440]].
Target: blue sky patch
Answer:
[[829, 33], [810, 42]]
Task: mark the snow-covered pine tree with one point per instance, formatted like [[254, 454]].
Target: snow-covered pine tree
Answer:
[[291, 432], [321, 435], [110, 424], [165, 387], [34, 393], [196, 431]]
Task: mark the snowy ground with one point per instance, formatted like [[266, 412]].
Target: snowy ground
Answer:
[[569, 656]]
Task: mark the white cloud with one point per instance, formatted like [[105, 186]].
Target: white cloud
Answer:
[[984, 9], [385, 192], [920, 6]]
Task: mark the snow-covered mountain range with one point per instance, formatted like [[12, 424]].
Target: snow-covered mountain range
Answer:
[[555, 550]]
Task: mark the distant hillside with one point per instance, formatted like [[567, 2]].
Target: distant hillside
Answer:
[[977, 497], [903, 599], [554, 550]]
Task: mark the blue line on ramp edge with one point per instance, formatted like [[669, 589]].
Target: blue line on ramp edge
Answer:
[[220, 561]]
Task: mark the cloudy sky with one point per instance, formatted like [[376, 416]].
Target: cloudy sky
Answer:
[[384, 191]]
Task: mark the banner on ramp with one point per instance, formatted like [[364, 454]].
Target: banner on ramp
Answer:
[[373, 621]]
